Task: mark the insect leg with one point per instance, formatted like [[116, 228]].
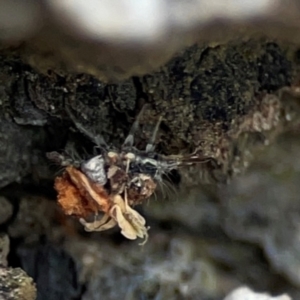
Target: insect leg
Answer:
[[151, 143], [98, 225], [110, 224], [62, 160], [96, 138], [130, 138]]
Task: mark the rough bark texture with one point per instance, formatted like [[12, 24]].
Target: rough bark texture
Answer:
[[14, 282]]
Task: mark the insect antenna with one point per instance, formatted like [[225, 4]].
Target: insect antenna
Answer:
[[170, 186], [166, 189], [154, 195], [161, 189], [59, 171], [55, 160]]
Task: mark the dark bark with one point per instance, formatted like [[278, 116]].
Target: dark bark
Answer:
[[225, 101]]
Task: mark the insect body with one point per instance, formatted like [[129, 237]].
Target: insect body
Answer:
[[113, 182]]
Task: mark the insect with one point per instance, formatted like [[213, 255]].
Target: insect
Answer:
[[114, 181]]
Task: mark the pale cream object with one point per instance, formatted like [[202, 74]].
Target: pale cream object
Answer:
[[132, 224], [244, 293]]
